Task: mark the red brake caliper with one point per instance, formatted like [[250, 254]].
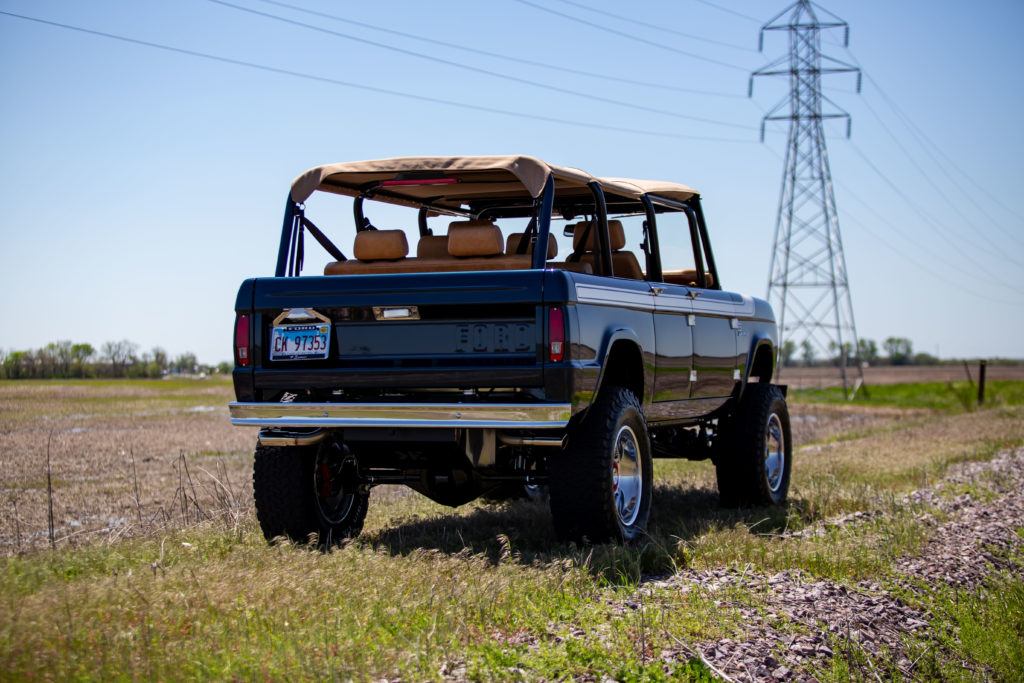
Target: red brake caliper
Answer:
[[325, 480]]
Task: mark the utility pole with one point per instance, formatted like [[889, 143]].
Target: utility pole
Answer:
[[807, 282]]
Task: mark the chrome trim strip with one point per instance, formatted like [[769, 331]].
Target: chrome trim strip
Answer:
[[465, 415]]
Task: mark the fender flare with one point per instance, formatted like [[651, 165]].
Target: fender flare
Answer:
[[759, 340], [612, 337]]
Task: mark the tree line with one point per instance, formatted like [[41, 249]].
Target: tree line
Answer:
[[66, 359], [898, 351]]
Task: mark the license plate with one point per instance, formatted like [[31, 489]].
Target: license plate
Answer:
[[300, 342]]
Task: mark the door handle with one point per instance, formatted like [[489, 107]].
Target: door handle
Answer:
[[693, 293], [657, 290]]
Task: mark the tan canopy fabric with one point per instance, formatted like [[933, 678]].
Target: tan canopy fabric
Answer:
[[636, 188], [477, 176]]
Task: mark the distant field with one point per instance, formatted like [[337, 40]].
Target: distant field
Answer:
[[160, 571], [817, 377]]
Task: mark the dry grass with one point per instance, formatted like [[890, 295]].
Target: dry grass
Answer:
[[161, 572], [116, 457]]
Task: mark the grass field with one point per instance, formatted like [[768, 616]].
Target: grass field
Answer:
[[158, 571]]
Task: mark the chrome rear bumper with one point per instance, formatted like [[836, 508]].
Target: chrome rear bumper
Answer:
[[459, 415]]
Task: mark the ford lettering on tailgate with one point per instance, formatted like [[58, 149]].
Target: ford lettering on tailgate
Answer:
[[494, 337]]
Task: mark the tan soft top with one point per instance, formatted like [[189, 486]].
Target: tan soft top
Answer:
[[479, 177]]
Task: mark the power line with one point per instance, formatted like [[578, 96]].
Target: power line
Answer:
[[630, 36], [926, 142], [369, 88], [729, 11], [656, 27], [495, 55], [945, 195], [922, 214], [486, 72], [943, 279], [915, 246]]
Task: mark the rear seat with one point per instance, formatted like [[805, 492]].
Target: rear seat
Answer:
[[477, 245], [375, 251], [624, 263], [469, 245], [432, 246], [512, 244], [686, 278]]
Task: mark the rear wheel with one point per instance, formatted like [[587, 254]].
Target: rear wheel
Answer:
[[601, 486], [307, 493], [755, 457]]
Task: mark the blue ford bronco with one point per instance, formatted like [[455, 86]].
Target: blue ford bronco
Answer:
[[489, 359]]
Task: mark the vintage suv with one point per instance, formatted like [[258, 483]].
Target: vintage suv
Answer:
[[484, 364]]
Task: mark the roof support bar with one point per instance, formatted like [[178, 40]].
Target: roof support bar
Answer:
[[286, 236], [547, 202], [654, 271], [603, 253]]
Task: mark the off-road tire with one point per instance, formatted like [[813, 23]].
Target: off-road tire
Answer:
[[586, 504], [752, 445], [285, 495]]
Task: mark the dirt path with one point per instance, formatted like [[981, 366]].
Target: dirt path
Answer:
[[963, 551]]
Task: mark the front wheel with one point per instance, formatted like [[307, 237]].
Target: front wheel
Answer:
[[601, 486], [755, 458], [307, 493]]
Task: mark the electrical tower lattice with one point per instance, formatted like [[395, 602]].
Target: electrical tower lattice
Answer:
[[807, 282]]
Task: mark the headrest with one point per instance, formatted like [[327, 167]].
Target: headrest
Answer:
[[432, 246], [512, 244], [474, 238], [380, 245], [615, 231]]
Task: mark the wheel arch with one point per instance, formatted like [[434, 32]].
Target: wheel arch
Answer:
[[623, 365], [761, 363]]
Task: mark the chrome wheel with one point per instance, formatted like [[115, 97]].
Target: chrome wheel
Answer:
[[627, 476], [774, 453]]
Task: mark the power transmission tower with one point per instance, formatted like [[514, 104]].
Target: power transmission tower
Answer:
[[807, 282]]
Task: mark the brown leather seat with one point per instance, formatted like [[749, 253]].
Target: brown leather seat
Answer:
[[624, 263], [474, 238], [687, 278], [374, 251], [512, 245], [432, 246]]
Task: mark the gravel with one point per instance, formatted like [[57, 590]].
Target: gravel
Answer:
[[800, 620]]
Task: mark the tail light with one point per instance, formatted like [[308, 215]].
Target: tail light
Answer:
[[556, 334], [243, 346]]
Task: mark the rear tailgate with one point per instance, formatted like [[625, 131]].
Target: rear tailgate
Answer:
[[479, 330]]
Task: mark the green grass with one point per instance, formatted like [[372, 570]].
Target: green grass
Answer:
[[487, 592], [203, 604], [24, 401], [165, 385], [944, 396]]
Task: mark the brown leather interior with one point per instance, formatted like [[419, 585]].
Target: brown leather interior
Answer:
[[474, 238], [615, 233], [380, 252], [624, 263], [380, 245], [686, 278], [432, 246], [512, 244]]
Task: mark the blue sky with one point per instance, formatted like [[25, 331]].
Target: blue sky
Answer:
[[140, 186]]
